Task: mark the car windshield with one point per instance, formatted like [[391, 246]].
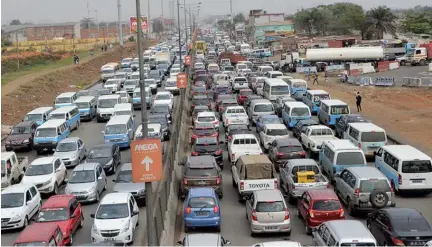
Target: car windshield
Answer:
[[66, 147], [300, 112], [120, 76], [162, 97], [160, 120], [63, 100], [201, 172], [38, 170], [277, 132], [107, 71], [319, 97], [114, 129], [150, 82], [124, 113], [322, 132], [368, 186], [124, 176], [378, 136], [112, 211], [417, 166], [202, 202], [21, 130], [53, 214], [107, 103], [350, 158], [326, 205], [199, 89], [358, 244], [229, 68], [82, 105], [279, 90], [290, 149], [160, 109], [83, 176], [33, 117], [268, 207], [12, 200], [46, 132], [339, 110], [199, 101], [263, 108], [171, 83], [411, 225], [57, 116], [100, 153], [270, 120]]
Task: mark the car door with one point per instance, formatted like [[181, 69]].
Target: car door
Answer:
[[303, 205], [133, 208], [59, 172], [99, 185], [72, 217], [249, 206], [102, 182], [377, 226], [83, 150], [341, 184], [116, 155], [36, 200], [29, 207]]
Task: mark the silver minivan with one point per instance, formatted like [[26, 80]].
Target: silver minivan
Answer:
[[364, 189], [343, 233]]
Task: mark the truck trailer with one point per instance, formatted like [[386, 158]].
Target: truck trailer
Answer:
[[347, 54]]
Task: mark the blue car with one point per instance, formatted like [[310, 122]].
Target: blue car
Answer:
[[202, 209], [266, 119]]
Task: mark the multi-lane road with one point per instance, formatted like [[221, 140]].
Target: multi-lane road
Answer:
[[90, 133], [235, 226]]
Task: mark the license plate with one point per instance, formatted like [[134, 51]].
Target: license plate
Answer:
[[271, 228], [417, 181], [109, 239], [202, 182], [201, 213], [4, 224]]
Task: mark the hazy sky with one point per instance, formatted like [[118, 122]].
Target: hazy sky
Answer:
[[46, 11]]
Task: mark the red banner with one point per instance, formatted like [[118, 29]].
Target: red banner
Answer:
[[355, 72], [133, 24]]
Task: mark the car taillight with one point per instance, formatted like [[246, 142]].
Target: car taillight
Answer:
[[311, 213], [341, 212], [357, 193], [275, 184], [218, 180], [399, 179], [185, 181], [194, 153], [286, 214], [279, 154], [254, 216], [397, 242], [233, 157], [219, 151], [242, 185], [303, 154], [188, 210], [209, 104], [216, 209], [215, 122]]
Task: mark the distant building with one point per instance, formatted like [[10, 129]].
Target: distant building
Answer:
[[267, 26], [104, 32], [35, 32]]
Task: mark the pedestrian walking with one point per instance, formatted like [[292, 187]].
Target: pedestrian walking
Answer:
[[102, 48], [326, 76], [315, 78], [358, 101]]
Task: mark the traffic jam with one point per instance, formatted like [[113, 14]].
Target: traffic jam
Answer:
[[297, 165]]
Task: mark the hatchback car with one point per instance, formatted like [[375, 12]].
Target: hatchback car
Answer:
[[235, 129], [162, 109], [266, 119], [124, 183], [87, 182], [202, 209], [108, 155], [203, 239], [164, 98], [242, 96], [207, 117], [208, 146], [71, 150], [200, 171], [284, 149], [267, 212], [399, 227], [249, 99], [64, 210], [301, 125], [46, 234], [204, 130], [318, 206]]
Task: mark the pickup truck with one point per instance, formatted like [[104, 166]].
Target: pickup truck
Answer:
[[289, 181], [313, 136], [243, 144], [12, 168], [253, 172], [235, 115], [240, 82]]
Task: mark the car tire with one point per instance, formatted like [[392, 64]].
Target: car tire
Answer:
[[350, 208], [81, 221], [234, 183], [25, 223], [308, 229], [70, 239], [97, 197], [56, 190]]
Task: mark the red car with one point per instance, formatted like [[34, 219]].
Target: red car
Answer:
[[47, 234], [318, 206], [64, 210], [204, 130], [242, 96]]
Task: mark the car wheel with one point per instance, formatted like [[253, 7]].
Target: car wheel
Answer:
[[81, 221], [308, 229], [25, 224], [56, 190], [105, 186], [97, 196], [70, 239]]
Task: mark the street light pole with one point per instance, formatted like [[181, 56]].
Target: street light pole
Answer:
[[97, 22], [149, 26], [179, 33], [162, 14], [144, 120], [120, 24], [184, 7]]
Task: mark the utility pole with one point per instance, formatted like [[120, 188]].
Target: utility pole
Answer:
[[97, 22], [148, 17], [184, 7], [144, 120], [120, 23], [17, 48], [231, 14], [179, 33], [162, 14], [88, 10]]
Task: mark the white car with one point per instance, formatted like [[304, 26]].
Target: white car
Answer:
[[207, 117], [164, 98], [116, 216], [152, 84], [171, 85], [199, 66], [272, 132], [199, 55], [235, 115], [174, 72], [113, 85], [153, 131], [47, 174], [19, 203], [124, 96]]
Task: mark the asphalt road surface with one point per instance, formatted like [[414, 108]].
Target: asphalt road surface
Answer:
[[405, 71], [235, 226], [90, 133]]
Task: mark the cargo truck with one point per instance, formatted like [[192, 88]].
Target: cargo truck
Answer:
[[421, 55], [348, 54]]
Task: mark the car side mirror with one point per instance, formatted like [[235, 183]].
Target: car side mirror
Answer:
[[319, 147], [103, 132], [100, 178], [92, 215], [179, 243], [114, 180]]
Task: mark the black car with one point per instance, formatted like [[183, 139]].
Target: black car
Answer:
[[164, 122], [208, 146], [198, 172], [200, 100], [235, 129], [300, 125], [157, 75], [281, 150], [399, 227], [162, 109], [163, 68], [342, 125], [104, 244], [108, 155]]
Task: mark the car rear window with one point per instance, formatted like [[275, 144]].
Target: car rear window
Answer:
[[276, 206], [417, 166], [373, 137], [411, 225], [277, 132], [326, 205], [201, 172], [290, 149], [202, 202], [200, 101], [206, 119], [350, 158], [368, 186]]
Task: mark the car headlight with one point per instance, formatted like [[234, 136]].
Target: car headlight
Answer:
[[47, 182], [94, 229], [26, 141], [16, 217], [126, 227], [92, 189], [8, 142], [125, 139], [54, 142]]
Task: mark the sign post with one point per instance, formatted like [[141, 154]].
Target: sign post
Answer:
[[188, 60], [146, 160], [181, 80]]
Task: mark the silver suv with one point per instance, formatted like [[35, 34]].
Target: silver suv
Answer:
[[364, 189]]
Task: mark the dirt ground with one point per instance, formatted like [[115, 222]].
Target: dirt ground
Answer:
[[42, 89], [404, 113]]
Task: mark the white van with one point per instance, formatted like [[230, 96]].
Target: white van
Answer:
[[259, 107], [294, 111], [366, 136], [262, 70], [407, 168], [107, 71], [275, 88], [123, 109], [273, 74], [105, 106]]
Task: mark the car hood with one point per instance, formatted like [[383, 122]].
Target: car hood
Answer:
[[80, 187], [322, 138], [36, 179], [102, 160], [10, 212], [21, 137], [63, 224], [128, 187], [64, 155], [110, 224]]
